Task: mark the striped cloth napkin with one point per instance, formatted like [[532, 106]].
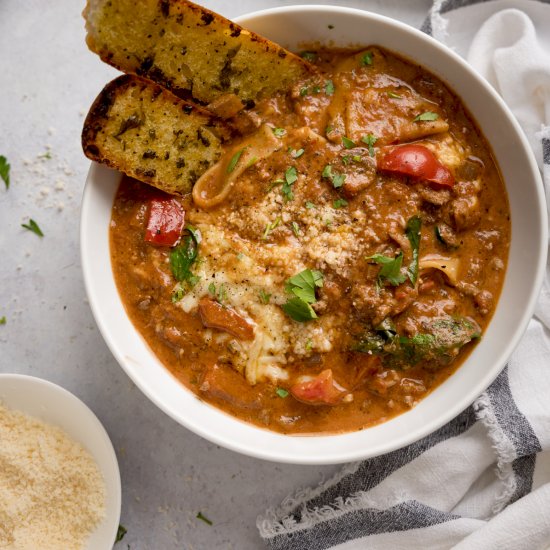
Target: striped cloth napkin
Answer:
[[483, 480]]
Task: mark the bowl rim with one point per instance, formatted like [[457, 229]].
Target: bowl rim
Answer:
[[291, 454], [113, 489]]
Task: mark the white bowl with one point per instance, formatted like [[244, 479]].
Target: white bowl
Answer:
[[291, 27], [55, 405]]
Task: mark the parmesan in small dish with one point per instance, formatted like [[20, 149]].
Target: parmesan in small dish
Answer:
[[59, 478]]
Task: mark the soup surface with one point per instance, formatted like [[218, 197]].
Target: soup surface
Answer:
[[337, 264]]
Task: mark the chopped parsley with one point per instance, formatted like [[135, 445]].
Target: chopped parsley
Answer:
[[339, 203], [348, 143], [309, 205], [270, 227], [296, 153], [264, 297], [413, 234], [295, 229], [3, 320], [281, 392], [309, 344], [366, 59], [33, 226], [428, 115], [304, 91], [202, 517], [290, 179], [316, 89], [393, 95], [308, 56], [279, 132], [182, 259], [178, 295], [391, 269], [329, 87], [370, 140], [234, 160], [5, 171], [302, 286], [121, 532], [220, 293], [336, 179]]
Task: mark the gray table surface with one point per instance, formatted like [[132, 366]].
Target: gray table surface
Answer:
[[48, 79]]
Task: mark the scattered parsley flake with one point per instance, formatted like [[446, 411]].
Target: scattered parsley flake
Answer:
[[339, 203], [177, 295], [316, 89], [428, 115], [5, 171], [393, 95], [296, 153], [234, 160], [390, 270], [270, 227], [328, 129], [264, 297], [291, 176], [299, 310], [346, 159], [370, 140], [357, 158], [212, 289], [338, 180], [329, 87], [202, 517], [279, 132], [184, 256], [33, 226], [327, 171], [304, 91], [366, 59], [348, 143], [281, 392], [309, 205], [413, 234], [121, 531], [309, 344], [295, 229]]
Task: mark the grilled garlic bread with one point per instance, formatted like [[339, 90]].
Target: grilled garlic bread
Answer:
[[195, 53], [150, 134]]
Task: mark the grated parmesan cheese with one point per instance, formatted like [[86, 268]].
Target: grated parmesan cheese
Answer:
[[52, 494]]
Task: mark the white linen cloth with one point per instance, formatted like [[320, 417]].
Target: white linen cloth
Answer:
[[483, 480]]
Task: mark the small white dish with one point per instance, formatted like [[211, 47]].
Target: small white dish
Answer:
[[292, 26], [53, 404]]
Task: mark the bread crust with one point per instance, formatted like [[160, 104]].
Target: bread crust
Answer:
[[148, 133], [193, 52]]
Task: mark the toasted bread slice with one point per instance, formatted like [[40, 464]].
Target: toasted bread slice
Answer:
[[150, 134], [193, 52]]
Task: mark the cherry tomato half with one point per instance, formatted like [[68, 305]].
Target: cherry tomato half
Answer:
[[417, 162], [166, 221]]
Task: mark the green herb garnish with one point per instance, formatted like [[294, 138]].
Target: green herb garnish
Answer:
[[316, 89], [279, 132], [234, 160], [336, 179], [299, 310], [413, 234], [281, 392], [5, 171], [393, 95], [270, 227], [290, 179], [121, 531], [348, 143], [428, 115], [303, 284], [391, 269], [329, 87], [309, 205], [202, 517], [339, 203], [370, 140], [296, 153], [264, 297], [366, 59], [304, 91], [33, 226], [295, 229], [184, 257]]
